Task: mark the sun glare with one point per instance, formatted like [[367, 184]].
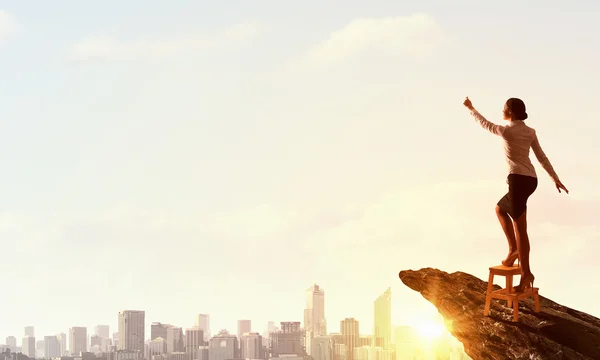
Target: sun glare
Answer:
[[430, 329]]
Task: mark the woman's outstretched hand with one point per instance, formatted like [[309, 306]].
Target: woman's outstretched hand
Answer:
[[560, 185], [468, 103]]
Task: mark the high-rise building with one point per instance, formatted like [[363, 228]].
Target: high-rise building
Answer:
[[203, 323], [322, 348], [175, 340], [39, 349], [103, 331], [106, 345], [11, 342], [95, 340], [194, 339], [28, 346], [77, 340], [62, 341], [51, 347], [223, 346], [132, 330], [159, 330], [350, 333], [288, 341], [29, 331], [251, 346], [244, 326], [271, 328], [314, 314], [382, 330], [156, 346]]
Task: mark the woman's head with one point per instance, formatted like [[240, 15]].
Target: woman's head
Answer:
[[514, 109]]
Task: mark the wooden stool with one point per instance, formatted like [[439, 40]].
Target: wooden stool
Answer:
[[508, 292]]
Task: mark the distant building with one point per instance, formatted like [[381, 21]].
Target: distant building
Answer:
[[77, 340], [288, 341], [124, 355], [322, 348], [159, 330], [175, 340], [350, 334], [382, 333], [62, 341], [28, 346], [11, 343], [156, 347], [132, 330], [194, 338], [251, 346], [244, 326], [223, 346], [203, 323], [51, 347], [103, 331]]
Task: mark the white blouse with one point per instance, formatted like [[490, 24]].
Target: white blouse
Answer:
[[518, 138]]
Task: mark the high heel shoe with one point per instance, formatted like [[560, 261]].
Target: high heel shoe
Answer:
[[526, 282], [510, 260]]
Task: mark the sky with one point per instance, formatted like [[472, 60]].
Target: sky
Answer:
[[221, 157]]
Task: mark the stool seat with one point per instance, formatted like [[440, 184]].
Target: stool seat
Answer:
[[506, 270], [508, 293]]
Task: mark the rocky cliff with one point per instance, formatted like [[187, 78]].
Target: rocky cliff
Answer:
[[556, 332]]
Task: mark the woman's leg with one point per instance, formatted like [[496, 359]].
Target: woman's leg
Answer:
[[523, 246], [507, 226]]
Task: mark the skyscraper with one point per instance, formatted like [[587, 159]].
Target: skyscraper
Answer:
[[223, 346], [382, 330], [314, 314], [350, 333], [132, 330], [159, 330], [28, 346], [62, 341], [271, 328], [103, 331], [194, 338], [244, 326], [29, 331], [51, 347], [175, 339], [203, 323], [289, 340], [11, 342], [77, 340], [251, 346]]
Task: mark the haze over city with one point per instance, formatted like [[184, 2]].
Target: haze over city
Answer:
[[209, 157]]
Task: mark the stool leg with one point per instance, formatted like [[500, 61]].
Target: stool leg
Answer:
[[536, 298], [509, 286], [516, 309], [488, 295]]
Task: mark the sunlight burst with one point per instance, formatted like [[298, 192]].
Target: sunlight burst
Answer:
[[430, 329]]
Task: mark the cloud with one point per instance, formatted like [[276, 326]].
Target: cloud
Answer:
[[414, 35], [8, 26], [96, 48]]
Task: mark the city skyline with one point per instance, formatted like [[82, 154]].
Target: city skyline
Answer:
[[103, 329], [172, 339]]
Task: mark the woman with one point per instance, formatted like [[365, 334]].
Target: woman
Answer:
[[522, 181]]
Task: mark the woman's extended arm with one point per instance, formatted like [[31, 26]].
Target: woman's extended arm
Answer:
[[543, 159], [488, 125]]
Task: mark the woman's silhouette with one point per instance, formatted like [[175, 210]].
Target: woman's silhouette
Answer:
[[522, 181]]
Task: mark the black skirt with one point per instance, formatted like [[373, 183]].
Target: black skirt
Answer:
[[520, 187]]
